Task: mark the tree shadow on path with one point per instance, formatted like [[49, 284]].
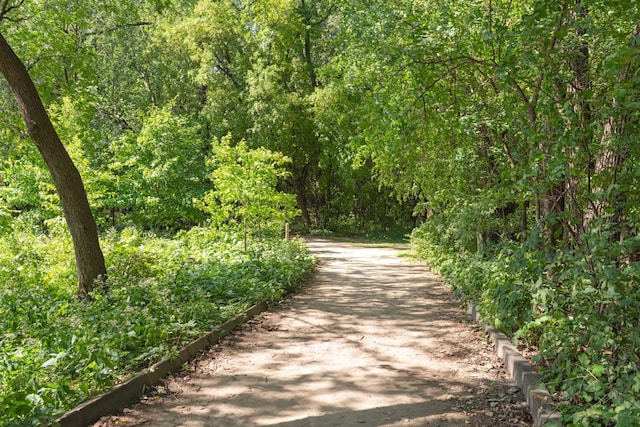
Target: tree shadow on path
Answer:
[[372, 340]]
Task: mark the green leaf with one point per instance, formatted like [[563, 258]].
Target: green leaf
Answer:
[[35, 399], [597, 370], [54, 360]]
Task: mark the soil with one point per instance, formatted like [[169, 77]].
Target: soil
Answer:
[[371, 340]]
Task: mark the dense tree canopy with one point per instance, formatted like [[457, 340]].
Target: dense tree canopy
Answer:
[[506, 131]]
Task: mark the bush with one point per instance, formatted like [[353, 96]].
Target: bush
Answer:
[[578, 307]]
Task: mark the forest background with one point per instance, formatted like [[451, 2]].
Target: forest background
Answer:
[[504, 133]]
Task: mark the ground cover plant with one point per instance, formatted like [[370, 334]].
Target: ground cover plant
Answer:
[[57, 350], [580, 323]]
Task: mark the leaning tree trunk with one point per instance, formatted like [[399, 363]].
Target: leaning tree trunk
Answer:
[[66, 178]]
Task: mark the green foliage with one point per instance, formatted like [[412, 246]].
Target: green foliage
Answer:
[[213, 39], [106, 70], [513, 127], [582, 321], [245, 187], [509, 129], [158, 171], [57, 351]]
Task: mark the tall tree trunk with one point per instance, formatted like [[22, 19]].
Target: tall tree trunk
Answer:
[[549, 200], [307, 57], [615, 154], [301, 199], [577, 92], [66, 178]]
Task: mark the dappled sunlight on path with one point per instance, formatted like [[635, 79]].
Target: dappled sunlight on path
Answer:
[[373, 340]]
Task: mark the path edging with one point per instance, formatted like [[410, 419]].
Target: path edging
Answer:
[[124, 393], [540, 402]]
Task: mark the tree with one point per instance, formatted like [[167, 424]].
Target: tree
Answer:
[[158, 171], [281, 83], [258, 65], [89, 259], [245, 186], [515, 123]]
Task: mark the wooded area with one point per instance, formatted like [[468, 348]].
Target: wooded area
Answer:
[[505, 133]]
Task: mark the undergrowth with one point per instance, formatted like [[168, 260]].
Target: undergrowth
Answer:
[[581, 313], [57, 350]]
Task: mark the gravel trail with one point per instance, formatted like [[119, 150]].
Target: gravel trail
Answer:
[[371, 340]]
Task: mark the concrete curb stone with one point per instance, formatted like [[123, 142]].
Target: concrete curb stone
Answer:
[[539, 399], [125, 393], [541, 406]]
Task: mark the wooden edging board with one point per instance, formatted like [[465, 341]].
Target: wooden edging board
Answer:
[[540, 402], [125, 393]]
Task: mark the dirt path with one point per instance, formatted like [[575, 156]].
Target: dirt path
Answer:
[[373, 340]]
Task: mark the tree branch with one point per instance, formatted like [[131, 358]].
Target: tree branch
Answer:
[[323, 19], [115, 28], [6, 8], [554, 38]]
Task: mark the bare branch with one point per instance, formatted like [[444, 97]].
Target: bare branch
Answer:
[[7, 7], [324, 18], [116, 28]]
